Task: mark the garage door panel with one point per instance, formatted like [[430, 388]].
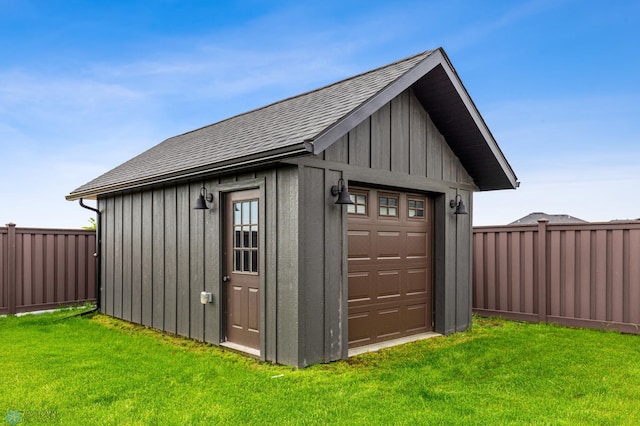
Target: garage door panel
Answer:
[[389, 323], [359, 289], [417, 282], [416, 244], [388, 284], [416, 318], [359, 328], [389, 244], [390, 272], [359, 244]]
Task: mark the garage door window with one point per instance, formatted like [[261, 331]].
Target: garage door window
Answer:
[[416, 208], [359, 205], [388, 206]]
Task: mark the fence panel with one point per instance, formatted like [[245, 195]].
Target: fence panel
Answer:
[[4, 288], [45, 268], [585, 275]]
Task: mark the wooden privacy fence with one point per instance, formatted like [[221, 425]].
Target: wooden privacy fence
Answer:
[[45, 268], [583, 275]]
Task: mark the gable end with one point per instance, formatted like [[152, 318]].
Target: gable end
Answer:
[[442, 94]]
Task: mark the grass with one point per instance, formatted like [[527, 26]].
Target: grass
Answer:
[[98, 370]]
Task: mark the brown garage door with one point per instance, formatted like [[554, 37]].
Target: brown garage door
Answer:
[[390, 265]]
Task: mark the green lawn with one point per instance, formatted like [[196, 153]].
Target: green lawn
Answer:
[[97, 370]]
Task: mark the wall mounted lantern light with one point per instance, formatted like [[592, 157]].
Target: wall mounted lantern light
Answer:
[[201, 202], [342, 192], [458, 205]]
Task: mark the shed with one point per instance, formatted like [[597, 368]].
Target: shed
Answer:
[[275, 268]]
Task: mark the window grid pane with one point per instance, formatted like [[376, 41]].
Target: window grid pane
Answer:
[[237, 214], [254, 236], [245, 236], [254, 260], [246, 218], [245, 261], [237, 265]]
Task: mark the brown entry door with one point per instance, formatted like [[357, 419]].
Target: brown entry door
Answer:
[[390, 265], [242, 269]]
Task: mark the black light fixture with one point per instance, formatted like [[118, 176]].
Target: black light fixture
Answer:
[[458, 205], [342, 192], [201, 202]]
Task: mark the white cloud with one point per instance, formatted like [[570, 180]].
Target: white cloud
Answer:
[[28, 88], [214, 73], [50, 112], [474, 34]]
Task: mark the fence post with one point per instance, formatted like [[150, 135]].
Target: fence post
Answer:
[[11, 268], [542, 269]]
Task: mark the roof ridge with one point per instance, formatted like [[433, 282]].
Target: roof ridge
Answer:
[[425, 53]]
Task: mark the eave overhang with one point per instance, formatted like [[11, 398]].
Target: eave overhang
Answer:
[[263, 159]]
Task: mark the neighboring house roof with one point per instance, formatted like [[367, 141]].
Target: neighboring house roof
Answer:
[[309, 123], [532, 218]]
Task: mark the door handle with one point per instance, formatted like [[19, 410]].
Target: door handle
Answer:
[[226, 278]]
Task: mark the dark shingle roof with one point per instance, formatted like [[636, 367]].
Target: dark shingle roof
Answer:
[[309, 123], [283, 126]]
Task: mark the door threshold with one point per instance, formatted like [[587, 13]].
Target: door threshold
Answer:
[[241, 348], [374, 347]]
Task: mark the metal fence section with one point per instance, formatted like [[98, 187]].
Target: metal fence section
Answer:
[[582, 275], [45, 268]]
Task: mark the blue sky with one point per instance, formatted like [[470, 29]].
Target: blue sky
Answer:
[[86, 85]]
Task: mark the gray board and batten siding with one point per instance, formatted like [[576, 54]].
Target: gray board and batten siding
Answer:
[[154, 271], [373, 130]]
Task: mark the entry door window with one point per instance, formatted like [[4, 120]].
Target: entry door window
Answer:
[[245, 242]]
